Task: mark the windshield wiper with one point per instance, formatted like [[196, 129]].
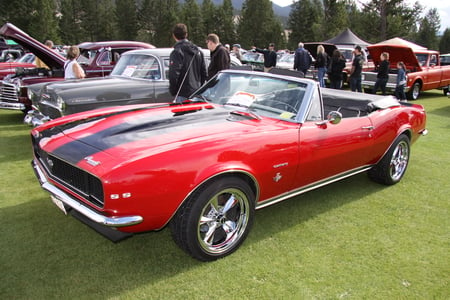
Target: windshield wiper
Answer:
[[205, 99]]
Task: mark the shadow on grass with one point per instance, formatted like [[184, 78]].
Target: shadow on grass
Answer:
[[43, 245], [442, 112], [11, 118]]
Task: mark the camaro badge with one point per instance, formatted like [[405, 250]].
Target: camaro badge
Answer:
[[89, 160]]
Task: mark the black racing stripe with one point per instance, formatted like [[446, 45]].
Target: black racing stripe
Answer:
[[141, 128]]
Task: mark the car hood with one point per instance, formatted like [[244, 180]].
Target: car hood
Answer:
[[93, 88], [396, 54], [47, 55], [130, 133]]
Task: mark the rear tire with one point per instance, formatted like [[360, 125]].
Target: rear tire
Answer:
[[391, 168], [215, 220]]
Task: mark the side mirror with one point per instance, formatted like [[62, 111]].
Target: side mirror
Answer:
[[334, 117]]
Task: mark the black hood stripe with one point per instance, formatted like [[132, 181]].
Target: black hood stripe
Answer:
[[142, 127]]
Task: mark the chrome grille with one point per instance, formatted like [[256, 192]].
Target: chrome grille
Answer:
[[8, 92], [73, 178]]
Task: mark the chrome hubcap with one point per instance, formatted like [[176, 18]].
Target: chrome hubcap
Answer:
[[399, 160], [223, 221]]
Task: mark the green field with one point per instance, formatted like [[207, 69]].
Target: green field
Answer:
[[354, 239]]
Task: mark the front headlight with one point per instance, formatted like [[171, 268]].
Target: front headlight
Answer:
[[31, 95]]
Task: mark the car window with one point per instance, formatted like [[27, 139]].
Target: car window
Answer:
[[138, 66], [86, 56], [315, 112]]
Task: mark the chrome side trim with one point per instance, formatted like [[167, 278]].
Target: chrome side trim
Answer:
[[310, 187], [84, 210]]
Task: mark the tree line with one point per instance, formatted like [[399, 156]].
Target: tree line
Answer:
[[74, 21]]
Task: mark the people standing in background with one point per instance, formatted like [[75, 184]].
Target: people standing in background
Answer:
[[187, 68], [220, 58], [383, 74], [72, 69], [38, 62], [356, 71], [337, 65], [321, 64], [270, 57], [302, 59], [401, 82]]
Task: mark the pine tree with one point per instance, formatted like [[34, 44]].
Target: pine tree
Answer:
[[429, 27], [225, 26], [335, 18], [444, 43], [305, 22], [209, 17], [192, 17], [126, 20], [258, 25]]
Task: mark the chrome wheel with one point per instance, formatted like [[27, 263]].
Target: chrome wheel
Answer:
[[414, 93], [391, 168], [399, 160], [223, 221], [215, 220]]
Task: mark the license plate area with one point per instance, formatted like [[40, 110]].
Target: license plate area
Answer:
[[59, 204]]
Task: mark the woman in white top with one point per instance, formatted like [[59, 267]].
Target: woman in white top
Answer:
[[72, 70]]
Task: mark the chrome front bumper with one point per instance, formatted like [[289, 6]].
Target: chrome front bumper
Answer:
[[35, 118], [82, 209], [12, 105]]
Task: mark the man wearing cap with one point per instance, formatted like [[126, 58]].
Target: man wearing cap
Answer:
[[236, 51], [270, 57]]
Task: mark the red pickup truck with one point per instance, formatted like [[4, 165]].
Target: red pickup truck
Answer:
[[423, 68], [97, 60]]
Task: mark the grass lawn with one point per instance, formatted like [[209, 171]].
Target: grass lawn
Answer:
[[354, 239]]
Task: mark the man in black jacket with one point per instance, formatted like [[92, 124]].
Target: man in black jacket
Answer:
[[187, 68], [270, 57], [220, 58]]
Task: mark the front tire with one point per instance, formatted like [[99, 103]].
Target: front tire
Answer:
[[391, 168], [215, 220]]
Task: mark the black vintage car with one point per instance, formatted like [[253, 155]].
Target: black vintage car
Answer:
[[140, 76]]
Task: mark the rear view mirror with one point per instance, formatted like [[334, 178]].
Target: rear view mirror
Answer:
[[334, 117]]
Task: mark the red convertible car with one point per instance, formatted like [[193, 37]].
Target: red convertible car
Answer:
[[244, 141]]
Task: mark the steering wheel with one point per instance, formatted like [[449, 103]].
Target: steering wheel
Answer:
[[282, 106]]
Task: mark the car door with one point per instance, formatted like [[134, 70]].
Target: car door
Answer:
[[327, 150]]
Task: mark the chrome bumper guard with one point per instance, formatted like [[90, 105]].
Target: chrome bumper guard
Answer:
[[83, 210], [12, 105], [35, 118]]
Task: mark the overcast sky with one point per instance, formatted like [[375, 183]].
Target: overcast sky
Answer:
[[443, 7]]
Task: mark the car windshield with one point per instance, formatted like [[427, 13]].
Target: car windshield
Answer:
[[137, 66], [422, 58], [268, 96], [288, 58]]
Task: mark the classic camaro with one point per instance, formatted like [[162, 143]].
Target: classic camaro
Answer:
[[244, 141]]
